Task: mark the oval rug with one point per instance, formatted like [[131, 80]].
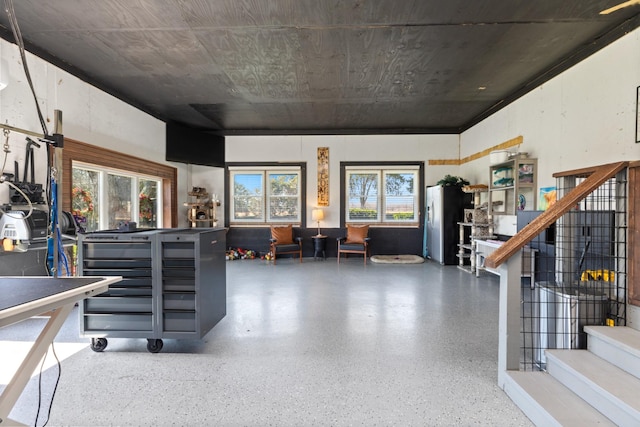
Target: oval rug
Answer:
[[397, 259]]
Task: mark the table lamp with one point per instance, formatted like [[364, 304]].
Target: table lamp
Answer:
[[317, 215]]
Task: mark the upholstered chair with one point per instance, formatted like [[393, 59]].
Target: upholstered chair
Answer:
[[355, 242], [283, 242]]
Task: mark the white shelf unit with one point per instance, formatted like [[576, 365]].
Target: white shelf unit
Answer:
[[513, 186]]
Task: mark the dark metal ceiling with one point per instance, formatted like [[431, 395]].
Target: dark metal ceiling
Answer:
[[319, 66]]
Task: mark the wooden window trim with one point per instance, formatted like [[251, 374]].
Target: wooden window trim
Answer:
[[87, 153]]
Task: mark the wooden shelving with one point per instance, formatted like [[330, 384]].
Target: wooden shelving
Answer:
[[202, 211]]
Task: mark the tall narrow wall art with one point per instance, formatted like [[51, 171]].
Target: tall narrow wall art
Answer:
[[323, 176]]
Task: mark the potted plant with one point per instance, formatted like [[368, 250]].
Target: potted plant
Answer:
[[452, 181]]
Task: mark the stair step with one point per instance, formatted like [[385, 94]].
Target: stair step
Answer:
[[606, 387], [619, 345], [549, 403]]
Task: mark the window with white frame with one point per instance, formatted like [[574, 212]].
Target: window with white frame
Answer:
[[384, 194], [265, 195], [102, 198]]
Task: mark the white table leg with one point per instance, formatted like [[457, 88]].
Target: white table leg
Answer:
[[22, 376]]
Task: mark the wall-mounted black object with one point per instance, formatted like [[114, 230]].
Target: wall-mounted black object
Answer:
[[189, 145], [30, 189]]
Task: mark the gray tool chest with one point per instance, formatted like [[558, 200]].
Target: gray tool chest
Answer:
[[173, 284]]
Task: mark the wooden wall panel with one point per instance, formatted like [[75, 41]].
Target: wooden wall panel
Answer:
[[82, 152]]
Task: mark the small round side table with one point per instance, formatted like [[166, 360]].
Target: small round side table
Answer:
[[319, 246]]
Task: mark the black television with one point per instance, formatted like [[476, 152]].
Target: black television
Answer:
[[189, 145]]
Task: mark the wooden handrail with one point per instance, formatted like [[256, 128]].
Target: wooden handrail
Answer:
[[597, 177]]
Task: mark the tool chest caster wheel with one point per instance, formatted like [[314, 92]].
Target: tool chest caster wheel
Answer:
[[154, 345], [98, 344]]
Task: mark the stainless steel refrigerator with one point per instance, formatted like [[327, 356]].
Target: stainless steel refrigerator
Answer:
[[445, 208]]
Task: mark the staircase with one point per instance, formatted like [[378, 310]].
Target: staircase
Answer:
[[599, 386]]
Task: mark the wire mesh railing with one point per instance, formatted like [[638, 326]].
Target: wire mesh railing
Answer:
[[581, 271]]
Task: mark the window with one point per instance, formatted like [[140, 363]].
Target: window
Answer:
[[265, 195], [383, 194], [97, 159], [103, 198]]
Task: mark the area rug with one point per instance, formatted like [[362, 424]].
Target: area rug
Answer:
[[397, 259]]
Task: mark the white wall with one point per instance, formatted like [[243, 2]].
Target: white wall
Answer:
[[586, 116], [346, 148], [88, 115], [210, 178]]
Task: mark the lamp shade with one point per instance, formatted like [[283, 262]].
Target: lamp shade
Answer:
[[317, 215]]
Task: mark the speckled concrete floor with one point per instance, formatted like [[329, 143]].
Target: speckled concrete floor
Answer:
[[305, 344]]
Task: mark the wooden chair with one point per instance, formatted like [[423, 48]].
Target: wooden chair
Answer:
[[283, 242], [355, 242]]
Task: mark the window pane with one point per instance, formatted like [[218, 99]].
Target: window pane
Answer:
[[363, 196], [148, 203], [400, 199], [283, 197], [85, 201], [119, 199], [248, 196]]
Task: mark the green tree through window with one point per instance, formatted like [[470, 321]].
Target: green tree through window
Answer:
[[395, 201], [283, 196], [363, 195], [265, 196]]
